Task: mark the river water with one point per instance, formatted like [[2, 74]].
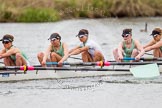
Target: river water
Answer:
[[104, 92]]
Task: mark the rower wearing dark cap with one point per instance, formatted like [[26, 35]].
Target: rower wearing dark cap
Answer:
[[12, 55], [90, 50], [128, 47], [57, 51], [155, 44]]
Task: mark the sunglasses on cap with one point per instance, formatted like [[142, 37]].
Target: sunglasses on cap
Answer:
[[53, 39], [81, 36], [155, 35], [125, 35], [5, 42]]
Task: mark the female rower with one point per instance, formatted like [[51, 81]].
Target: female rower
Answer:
[[128, 47], [155, 44], [57, 51], [91, 52], [11, 54]]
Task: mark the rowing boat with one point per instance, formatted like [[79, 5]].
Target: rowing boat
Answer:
[[12, 74], [49, 74]]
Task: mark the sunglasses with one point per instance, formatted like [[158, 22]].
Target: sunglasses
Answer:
[[53, 39], [126, 35], [155, 35], [5, 42], [81, 36]]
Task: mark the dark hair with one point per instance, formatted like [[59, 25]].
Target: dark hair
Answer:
[[158, 30], [85, 31], [127, 31], [8, 37]]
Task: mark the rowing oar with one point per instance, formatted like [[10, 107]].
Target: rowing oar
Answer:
[[145, 58], [30, 68], [145, 71], [101, 63]]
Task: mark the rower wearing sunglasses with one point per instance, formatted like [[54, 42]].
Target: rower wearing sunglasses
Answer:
[[91, 51], [57, 51], [12, 55], [128, 47]]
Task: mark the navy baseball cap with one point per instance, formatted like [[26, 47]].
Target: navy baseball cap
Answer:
[[54, 36], [7, 38], [126, 32], [155, 32], [82, 32]]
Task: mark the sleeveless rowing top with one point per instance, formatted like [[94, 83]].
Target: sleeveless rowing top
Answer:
[[128, 51], [13, 57], [161, 48], [60, 51]]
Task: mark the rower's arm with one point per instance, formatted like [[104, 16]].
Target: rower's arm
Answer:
[[9, 52], [152, 42], [2, 51], [157, 45], [46, 53], [74, 49], [79, 50], [120, 50], [66, 52], [71, 52], [140, 48]]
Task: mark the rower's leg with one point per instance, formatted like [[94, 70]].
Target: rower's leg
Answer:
[[55, 57], [134, 54], [20, 60], [98, 56], [86, 57], [40, 57], [157, 52], [8, 61], [116, 56]]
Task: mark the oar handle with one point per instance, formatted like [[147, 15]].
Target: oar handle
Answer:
[[127, 58], [55, 63]]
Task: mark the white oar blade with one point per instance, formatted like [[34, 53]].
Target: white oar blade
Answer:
[[145, 71]]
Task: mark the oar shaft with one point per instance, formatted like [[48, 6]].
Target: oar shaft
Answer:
[[30, 68], [106, 63], [144, 58], [70, 69], [25, 68], [75, 63]]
